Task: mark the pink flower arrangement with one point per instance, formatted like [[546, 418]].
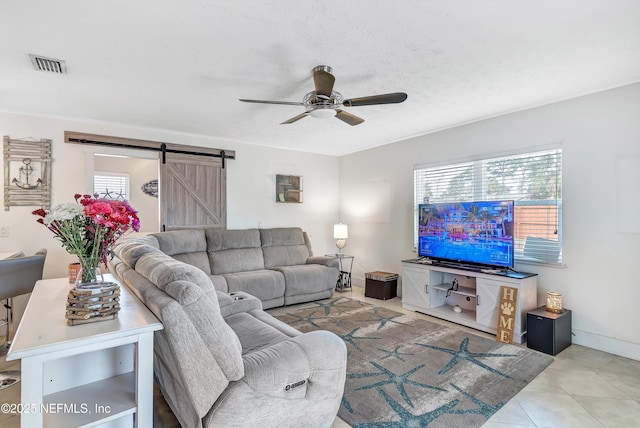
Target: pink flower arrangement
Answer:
[[89, 227]]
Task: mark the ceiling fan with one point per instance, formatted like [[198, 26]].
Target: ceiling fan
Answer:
[[325, 102]]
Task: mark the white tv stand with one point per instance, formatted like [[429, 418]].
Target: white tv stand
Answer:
[[426, 284]]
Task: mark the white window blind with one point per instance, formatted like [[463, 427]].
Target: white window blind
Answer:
[[111, 185], [532, 180]]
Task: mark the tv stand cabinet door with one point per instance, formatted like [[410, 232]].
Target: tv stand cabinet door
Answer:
[[415, 288], [488, 291], [488, 300]]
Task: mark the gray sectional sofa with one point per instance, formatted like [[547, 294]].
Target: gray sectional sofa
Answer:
[[275, 265], [221, 361]]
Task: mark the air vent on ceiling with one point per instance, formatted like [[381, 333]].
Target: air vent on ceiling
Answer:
[[52, 65]]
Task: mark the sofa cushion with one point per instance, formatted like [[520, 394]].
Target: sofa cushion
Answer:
[[281, 236], [283, 247], [181, 281], [130, 250], [181, 241], [263, 284], [225, 239], [253, 333], [269, 319], [188, 246], [219, 283], [234, 250], [307, 279], [286, 255], [238, 260], [197, 259]]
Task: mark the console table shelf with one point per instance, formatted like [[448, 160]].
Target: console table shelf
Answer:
[[118, 391], [428, 288]]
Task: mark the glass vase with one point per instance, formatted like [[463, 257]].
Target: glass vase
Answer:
[[89, 273]]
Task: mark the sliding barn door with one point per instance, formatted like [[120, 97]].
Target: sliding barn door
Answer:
[[192, 192]]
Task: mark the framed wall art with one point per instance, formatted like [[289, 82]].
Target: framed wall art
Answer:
[[27, 172]]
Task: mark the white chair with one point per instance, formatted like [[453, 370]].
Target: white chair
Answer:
[[18, 276]]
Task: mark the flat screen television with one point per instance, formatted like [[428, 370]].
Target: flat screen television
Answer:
[[478, 233]]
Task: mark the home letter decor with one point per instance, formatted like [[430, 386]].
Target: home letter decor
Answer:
[[507, 314]]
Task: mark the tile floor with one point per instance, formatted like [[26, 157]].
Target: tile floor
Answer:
[[582, 388]]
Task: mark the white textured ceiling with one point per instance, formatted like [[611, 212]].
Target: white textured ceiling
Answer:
[[182, 65]]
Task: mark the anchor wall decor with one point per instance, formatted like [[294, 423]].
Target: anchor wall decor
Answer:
[[27, 172]]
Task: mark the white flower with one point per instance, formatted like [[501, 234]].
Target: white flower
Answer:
[[63, 212]]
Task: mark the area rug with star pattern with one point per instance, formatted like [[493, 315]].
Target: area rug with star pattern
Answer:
[[403, 371]]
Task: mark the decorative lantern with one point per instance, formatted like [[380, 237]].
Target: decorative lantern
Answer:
[[554, 302]]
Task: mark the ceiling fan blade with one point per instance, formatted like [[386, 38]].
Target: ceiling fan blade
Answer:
[[323, 80], [396, 97], [349, 118], [296, 118], [288, 103]]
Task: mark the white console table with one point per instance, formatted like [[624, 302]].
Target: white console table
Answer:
[[427, 288], [97, 374]]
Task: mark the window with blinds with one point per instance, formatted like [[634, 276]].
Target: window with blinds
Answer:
[[532, 180], [111, 185]]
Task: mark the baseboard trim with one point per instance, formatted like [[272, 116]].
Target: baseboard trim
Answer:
[[606, 344]]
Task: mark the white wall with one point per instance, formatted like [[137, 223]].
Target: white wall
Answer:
[[250, 185], [251, 193], [599, 133]]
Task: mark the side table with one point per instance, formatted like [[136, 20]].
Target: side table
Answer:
[[345, 262], [548, 332]]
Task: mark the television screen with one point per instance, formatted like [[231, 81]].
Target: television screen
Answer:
[[479, 233]]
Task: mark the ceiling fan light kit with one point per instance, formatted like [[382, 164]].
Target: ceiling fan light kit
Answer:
[[324, 102], [322, 113]]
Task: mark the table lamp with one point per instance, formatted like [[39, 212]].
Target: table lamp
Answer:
[[341, 233]]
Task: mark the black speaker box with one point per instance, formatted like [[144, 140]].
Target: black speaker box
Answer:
[[548, 332]]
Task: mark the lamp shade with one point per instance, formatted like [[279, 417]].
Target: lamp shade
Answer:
[[340, 231]]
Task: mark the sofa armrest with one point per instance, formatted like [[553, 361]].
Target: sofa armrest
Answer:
[[236, 302], [312, 366], [323, 260]]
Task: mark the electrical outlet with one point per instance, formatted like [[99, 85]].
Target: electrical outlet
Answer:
[[4, 231]]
